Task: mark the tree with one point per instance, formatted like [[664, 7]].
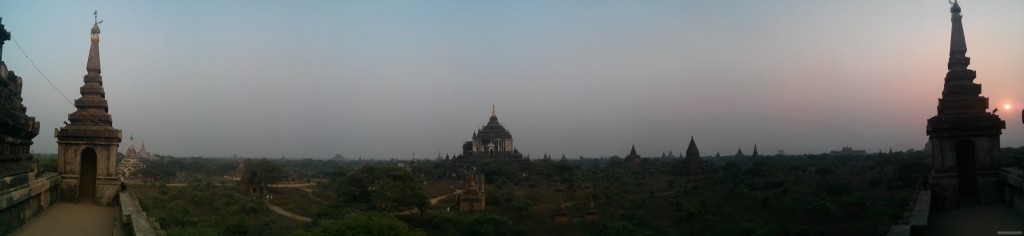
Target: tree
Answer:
[[488, 225], [363, 223], [623, 229], [520, 205], [381, 188], [263, 172], [192, 231]]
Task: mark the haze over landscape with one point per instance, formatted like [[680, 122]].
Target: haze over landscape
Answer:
[[386, 79]]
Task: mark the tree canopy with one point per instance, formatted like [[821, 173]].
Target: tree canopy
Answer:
[[382, 188]]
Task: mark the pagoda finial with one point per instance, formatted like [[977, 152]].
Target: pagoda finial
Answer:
[[93, 64], [95, 26], [4, 36], [492, 110], [957, 44]]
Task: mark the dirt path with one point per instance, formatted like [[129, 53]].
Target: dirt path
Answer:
[[64, 218], [434, 201], [285, 213], [310, 192]]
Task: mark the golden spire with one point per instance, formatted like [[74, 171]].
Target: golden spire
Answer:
[[93, 64], [492, 110], [95, 26]]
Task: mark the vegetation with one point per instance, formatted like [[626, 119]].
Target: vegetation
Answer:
[[771, 195]]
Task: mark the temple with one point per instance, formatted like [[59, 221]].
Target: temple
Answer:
[[633, 158], [491, 143], [143, 153], [964, 135], [87, 145], [131, 162], [24, 191], [474, 197], [848, 151], [692, 164]]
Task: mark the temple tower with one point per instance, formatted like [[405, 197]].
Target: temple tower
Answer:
[[964, 135], [131, 162], [474, 199], [692, 164], [87, 145], [633, 158]]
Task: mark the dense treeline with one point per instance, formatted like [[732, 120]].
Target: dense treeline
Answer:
[[767, 195]]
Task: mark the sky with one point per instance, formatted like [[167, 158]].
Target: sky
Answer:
[[386, 79]]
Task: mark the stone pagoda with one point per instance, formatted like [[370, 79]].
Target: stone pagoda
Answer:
[[17, 128], [474, 198], [24, 192], [964, 135], [491, 143], [143, 153], [633, 158], [87, 145], [131, 162], [692, 164]]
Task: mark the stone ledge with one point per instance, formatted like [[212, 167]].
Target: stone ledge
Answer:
[[135, 220], [1012, 176], [20, 193], [922, 211], [899, 230], [917, 219]]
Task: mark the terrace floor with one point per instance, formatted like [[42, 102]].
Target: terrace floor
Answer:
[[64, 218], [992, 219]]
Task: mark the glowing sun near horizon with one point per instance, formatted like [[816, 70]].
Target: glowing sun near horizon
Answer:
[[1007, 107]]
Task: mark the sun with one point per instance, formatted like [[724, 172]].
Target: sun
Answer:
[[1006, 107]]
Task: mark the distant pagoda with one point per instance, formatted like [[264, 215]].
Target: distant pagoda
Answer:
[[964, 135], [848, 151], [633, 158], [131, 162], [491, 143], [143, 153], [692, 164], [474, 197]]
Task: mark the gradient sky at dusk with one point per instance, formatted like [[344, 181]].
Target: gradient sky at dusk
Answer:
[[385, 79]]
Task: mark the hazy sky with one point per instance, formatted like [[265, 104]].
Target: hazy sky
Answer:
[[388, 78]]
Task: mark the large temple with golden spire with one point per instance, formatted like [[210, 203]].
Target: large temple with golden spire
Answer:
[[491, 142], [87, 145]]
